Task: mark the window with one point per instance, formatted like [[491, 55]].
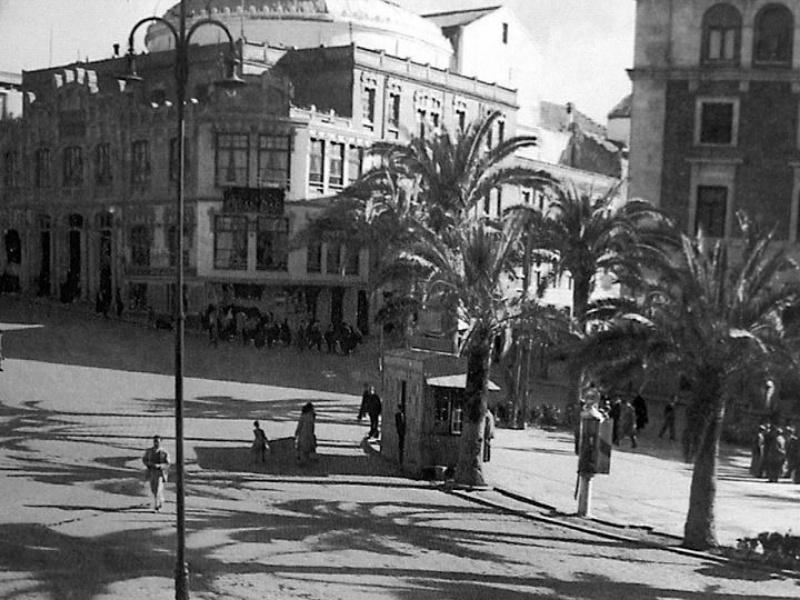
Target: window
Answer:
[[499, 202], [174, 173], [140, 162], [336, 173], [230, 242], [773, 36], [334, 256], [505, 33], [461, 117], [352, 264], [526, 196], [712, 204], [314, 257], [140, 246], [316, 164], [394, 109], [368, 104], [73, 166], [11, 169], [501, 131], [172, 245], [272, 244], [102, 164], [449, 413], [722, 30], [717, 122], [42, 168], [232, 159], [273, 161], [355, 163]]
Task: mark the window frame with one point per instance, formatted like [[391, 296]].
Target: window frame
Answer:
[[238, 243], [276, 232], [140, 243], [723, 18], [336, 161], [699, 212], [237, 145], [274, 149], [43, 168], [140, 162], [72, 167], [699, 122], [314, 249], [316, 176], [102, 164], [759, 37]]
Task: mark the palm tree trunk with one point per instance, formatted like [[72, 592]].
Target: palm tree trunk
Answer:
[[700, 531], [469, 467]]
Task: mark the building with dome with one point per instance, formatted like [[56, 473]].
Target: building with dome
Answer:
[[90, 169]]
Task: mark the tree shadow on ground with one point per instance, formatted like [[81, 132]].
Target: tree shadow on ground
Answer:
[[282, 461]]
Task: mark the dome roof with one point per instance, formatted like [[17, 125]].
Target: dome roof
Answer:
[[374, 24]]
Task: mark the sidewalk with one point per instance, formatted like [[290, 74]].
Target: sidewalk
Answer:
[[648, 486]]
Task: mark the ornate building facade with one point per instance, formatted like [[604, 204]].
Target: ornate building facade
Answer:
[[90, 170]]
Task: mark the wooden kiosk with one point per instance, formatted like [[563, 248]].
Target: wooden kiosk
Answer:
[[431, 385]]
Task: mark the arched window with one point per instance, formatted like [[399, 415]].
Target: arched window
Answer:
[[722, 35], [140, 246], [774, 28]]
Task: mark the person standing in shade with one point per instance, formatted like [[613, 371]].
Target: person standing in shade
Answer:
[[669, 419], [640, 406], [156, 459], [488, 435], [371, 406], [400, 425], [260, 446], [627, 422], [305, 437]]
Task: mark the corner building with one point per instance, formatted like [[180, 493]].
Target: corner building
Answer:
[[89, 173], [716, 100]]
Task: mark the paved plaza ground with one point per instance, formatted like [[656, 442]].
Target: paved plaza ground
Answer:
[[80, 398]]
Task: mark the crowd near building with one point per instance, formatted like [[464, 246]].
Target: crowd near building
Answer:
[[90, 167]]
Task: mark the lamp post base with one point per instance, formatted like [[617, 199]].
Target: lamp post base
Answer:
[[181, 581]]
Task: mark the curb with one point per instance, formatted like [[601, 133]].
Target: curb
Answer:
[[555, 521]]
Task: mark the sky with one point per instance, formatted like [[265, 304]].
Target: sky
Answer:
[[588, 44]]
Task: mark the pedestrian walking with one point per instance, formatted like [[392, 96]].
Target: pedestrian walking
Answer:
[[774, 454], [371, 406], [400, 425], [669, 419], [757, 452], [260, 447], [627, 422], [792, 455], [156, 459], [615, 412], [640, 406], [488, 435], [305, 437]]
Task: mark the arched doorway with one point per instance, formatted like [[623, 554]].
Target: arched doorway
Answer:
[[71, 286], [104, 283]]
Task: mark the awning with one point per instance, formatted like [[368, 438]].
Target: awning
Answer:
[[457, 381]]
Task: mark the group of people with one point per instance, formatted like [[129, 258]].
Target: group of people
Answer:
[[628, 414], [228, 323], [775, 453]]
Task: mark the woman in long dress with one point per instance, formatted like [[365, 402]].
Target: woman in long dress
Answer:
[[304, 437]]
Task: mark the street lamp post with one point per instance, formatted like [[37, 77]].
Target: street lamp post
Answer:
[[182, 37]]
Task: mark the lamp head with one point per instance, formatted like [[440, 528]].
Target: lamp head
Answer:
[[232, 80], [131, 76]]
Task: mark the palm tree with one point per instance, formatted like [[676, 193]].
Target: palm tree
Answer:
[[707, 318], [467, 273], [591, 236]]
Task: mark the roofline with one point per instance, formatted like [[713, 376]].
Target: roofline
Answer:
[[486, 9]]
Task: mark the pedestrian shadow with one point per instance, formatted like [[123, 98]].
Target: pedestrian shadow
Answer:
[[282, 461]]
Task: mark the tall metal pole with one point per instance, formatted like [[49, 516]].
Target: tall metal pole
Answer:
[[181, 36], [181, 80]]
